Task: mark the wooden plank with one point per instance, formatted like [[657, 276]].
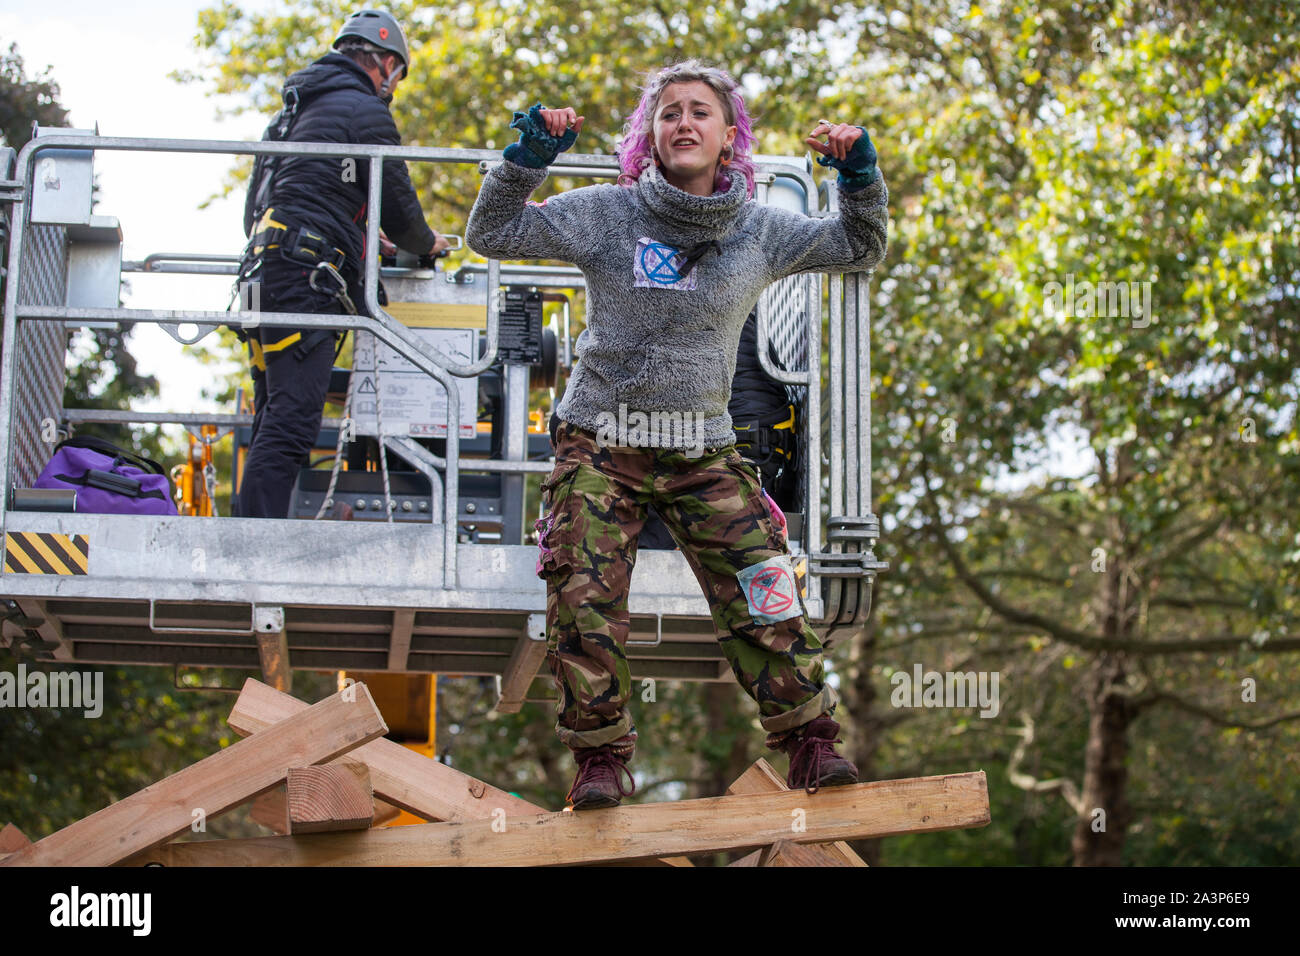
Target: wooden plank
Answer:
[[12, 840], [329, 798], [715, 824], [399, 648], [424, 787], [215, 784], [525, 661], [785, 853], [760, 777], [273, 651], [384, 812], [271, 811]]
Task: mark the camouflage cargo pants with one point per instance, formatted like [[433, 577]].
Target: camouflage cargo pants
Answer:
[[716, 511]]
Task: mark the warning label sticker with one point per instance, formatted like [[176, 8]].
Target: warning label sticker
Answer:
[[409, 401]]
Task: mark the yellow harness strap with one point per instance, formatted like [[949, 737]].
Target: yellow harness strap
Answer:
[[284, 343], [264, 224], [257, 352]]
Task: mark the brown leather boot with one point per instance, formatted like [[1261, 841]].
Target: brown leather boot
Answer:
[[813, 760], [599, 783]]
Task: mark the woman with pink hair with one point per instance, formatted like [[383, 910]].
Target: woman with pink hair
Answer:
[[675, 258]]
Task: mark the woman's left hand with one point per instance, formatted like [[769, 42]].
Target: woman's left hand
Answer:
[[840, 138], [847, 149]]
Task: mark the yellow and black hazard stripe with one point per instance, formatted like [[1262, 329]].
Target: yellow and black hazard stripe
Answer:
[[801, 575], [32, 552]]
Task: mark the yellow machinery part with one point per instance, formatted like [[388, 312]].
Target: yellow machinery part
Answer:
[[192, 496], [409, 705]]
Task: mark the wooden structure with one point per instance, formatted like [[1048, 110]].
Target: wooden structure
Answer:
[[327, 811]]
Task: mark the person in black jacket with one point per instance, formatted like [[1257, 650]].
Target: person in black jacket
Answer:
[[306, 220]]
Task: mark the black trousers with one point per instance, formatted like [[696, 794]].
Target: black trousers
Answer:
[[289, 395]]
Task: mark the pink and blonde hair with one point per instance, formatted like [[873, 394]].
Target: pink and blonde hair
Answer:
[[634, 149]]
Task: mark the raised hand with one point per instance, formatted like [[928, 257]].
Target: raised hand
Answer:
[[840, 138], [543, 135], [847, 149], [557, 121]]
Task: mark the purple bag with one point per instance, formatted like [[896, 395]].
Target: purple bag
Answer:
[[107, 479]]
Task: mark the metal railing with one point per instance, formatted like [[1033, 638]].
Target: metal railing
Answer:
[[849, 436], [387, 330], [851, 528]]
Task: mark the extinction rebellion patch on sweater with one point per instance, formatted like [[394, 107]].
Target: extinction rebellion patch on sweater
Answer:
[[658, 266]]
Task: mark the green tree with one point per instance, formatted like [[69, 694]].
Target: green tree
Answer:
[[26, 101], [1109, 143], [1025, 144], [473, 64]]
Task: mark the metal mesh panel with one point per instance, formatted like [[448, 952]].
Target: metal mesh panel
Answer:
[[42, 349], [783, 308], [786, 305]]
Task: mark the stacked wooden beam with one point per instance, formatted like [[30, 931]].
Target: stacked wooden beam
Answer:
[[325, 805], [12, 840], [761, 778]]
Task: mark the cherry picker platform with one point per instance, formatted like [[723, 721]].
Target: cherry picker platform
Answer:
[[436, 574]]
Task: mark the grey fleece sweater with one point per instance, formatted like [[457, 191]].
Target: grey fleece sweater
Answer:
[[656, 343]]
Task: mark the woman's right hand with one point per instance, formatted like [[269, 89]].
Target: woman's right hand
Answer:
[[557, 121]]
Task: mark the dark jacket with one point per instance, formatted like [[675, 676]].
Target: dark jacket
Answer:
[[338, 104], [754, 395]]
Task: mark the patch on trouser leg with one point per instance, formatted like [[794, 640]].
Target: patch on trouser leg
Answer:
[[770, 590]]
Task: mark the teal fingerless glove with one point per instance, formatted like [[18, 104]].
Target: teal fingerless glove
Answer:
[[536, 148], [857, 169]]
